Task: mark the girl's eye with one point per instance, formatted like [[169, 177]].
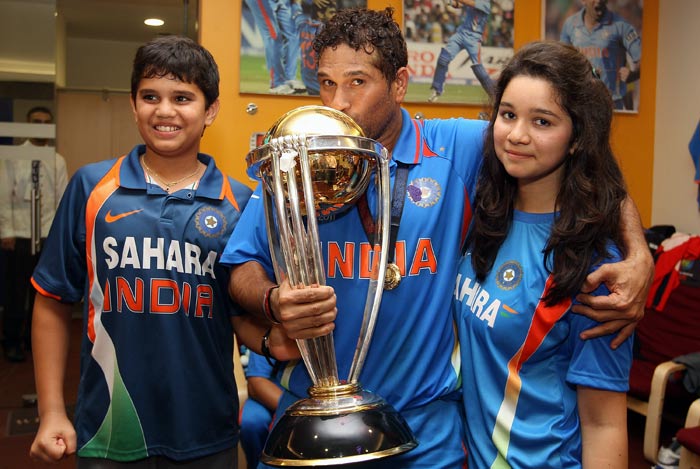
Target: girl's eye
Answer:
[[542, 122], [182, 99], [149, 97], [507, 115]]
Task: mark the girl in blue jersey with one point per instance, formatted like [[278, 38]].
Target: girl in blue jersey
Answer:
[[547, 214]]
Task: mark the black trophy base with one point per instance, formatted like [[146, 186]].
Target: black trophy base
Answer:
[[342, 429]]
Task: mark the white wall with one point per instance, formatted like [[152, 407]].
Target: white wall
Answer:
[[99, 64], [27, 40], [677, 115]]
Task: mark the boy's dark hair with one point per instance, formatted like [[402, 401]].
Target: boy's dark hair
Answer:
[[592, 189], [369, 30], [178, 56], [43, 109]]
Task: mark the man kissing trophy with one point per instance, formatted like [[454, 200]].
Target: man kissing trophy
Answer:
[[316, 161]]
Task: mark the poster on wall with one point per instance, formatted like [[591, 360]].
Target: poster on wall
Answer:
[[456, 48], [276, 39], [609, 33]]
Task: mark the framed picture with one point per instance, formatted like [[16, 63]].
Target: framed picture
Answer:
[[609, 33], [456, 48], [276, 44]]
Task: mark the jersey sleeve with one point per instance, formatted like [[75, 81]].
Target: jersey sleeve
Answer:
[[469, 152], [632, 42], [61, 270], [593, 362], [249, 239], [258, 366], [565, 35]]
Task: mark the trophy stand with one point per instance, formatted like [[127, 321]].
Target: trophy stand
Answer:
[[303, 175]]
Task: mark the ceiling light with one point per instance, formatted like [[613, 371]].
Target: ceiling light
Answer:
[[154, 22]]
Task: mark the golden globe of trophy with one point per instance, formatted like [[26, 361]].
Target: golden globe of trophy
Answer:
[[314, 161]]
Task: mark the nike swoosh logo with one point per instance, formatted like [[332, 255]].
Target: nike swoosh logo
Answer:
[[109, 218]]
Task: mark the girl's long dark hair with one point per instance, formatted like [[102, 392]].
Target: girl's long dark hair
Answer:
[[592, 189]]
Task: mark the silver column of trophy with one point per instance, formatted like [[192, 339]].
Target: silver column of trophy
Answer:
[[314, 160]]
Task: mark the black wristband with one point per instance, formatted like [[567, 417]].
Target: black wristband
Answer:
[[267, 307], [265, 347]]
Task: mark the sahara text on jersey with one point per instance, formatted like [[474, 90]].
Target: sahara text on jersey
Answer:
[[181, 258], [477, 299]]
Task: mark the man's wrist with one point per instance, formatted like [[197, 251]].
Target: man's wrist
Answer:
[[267, 305]]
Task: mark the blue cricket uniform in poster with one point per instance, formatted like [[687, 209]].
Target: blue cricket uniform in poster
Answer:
[[468, 37], [273, 19], [607, 47]]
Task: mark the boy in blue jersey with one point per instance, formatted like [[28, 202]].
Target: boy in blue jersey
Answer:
[[264, 394], [413, 361], [611, 44], [139, 238], [547, 212]]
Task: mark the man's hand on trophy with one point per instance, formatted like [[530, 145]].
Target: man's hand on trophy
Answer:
[[304, 312]]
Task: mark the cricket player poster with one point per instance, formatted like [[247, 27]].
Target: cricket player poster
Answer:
[[456, 48], [276, 44], [609, 33]]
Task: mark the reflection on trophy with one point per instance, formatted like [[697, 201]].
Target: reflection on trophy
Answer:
[[316, 161]]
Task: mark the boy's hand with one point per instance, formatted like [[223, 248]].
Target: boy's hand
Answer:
[[55, 440], [628, 282], [282, 347]]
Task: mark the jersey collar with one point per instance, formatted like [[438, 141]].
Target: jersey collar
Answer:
[[606, 20], [411, 146], [210, 184]]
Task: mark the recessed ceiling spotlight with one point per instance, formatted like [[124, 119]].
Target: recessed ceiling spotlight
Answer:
[[154, 22]]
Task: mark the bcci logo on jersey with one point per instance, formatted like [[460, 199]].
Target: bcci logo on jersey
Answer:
[[509, 275], [210, 222], [424, 192]]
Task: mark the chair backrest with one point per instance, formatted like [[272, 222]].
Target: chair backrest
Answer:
[[664, 335]]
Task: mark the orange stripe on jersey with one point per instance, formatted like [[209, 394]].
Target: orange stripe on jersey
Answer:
[[466, 217], [268, 21], [227, 193], [542, 323], [422, 147], [102, 191], [419, 138], [44, 292]]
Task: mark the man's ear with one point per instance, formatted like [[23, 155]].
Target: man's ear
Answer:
[[400, 84]]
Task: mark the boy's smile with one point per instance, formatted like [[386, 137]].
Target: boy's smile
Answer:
[[171, 117]]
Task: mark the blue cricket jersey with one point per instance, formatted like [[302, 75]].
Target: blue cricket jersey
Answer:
[[156, 371], [522, 359], [606, 46], [414, 355]]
